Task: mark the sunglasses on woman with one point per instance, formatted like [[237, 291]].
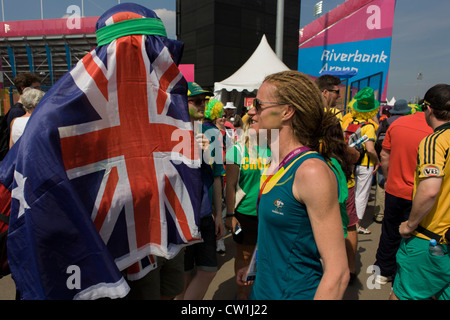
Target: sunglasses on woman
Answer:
[[258, 104]]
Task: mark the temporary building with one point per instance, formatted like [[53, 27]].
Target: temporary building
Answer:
[[249, 77]]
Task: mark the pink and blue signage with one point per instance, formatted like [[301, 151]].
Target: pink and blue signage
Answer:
[[355, 37]]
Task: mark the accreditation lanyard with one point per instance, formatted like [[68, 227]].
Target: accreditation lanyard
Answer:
[[286, 159]]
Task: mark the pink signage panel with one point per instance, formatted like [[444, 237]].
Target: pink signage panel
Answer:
[[188, 71], [47, 27], [355, 20]]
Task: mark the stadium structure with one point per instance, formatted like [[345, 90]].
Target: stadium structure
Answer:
[[48, 48]]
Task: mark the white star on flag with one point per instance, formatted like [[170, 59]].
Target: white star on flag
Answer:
[[19, 193]]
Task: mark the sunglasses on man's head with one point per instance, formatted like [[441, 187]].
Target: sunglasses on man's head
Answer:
[[258, 104]]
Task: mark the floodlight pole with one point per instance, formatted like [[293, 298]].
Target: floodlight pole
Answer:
[[280, 29], [419, 77]]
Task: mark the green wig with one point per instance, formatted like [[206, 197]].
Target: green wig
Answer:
[[213, 110]]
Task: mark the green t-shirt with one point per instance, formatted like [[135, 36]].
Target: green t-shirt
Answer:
[[343, 192], [251, 168]]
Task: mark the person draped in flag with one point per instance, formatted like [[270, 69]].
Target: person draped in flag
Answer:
[[92, 184]]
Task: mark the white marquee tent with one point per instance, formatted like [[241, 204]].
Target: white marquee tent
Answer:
[[250, 76]]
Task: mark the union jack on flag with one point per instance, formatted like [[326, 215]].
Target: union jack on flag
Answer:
[[92, 179]]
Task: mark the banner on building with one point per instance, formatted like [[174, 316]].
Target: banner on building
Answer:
[[356, 36]]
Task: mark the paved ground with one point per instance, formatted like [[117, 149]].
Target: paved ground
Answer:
[[223, 286]]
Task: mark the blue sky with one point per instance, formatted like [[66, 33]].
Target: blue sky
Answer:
[[421, 39]]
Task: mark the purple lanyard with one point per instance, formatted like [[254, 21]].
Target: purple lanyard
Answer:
[[286, 159], [291, 155]]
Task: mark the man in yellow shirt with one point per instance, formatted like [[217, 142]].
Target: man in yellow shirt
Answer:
[[420, 273]]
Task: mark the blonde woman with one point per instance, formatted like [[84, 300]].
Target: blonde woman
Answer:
[[301, 248], [245, 162]]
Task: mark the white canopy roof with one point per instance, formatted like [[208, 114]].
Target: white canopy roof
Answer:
[[392, 102], [250, 76]]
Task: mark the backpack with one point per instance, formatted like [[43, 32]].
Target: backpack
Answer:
[[352, 134], [384, 125]]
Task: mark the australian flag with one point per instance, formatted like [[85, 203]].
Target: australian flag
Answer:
[[92, 182]]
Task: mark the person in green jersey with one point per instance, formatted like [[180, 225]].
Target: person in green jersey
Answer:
[[245, 161]]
